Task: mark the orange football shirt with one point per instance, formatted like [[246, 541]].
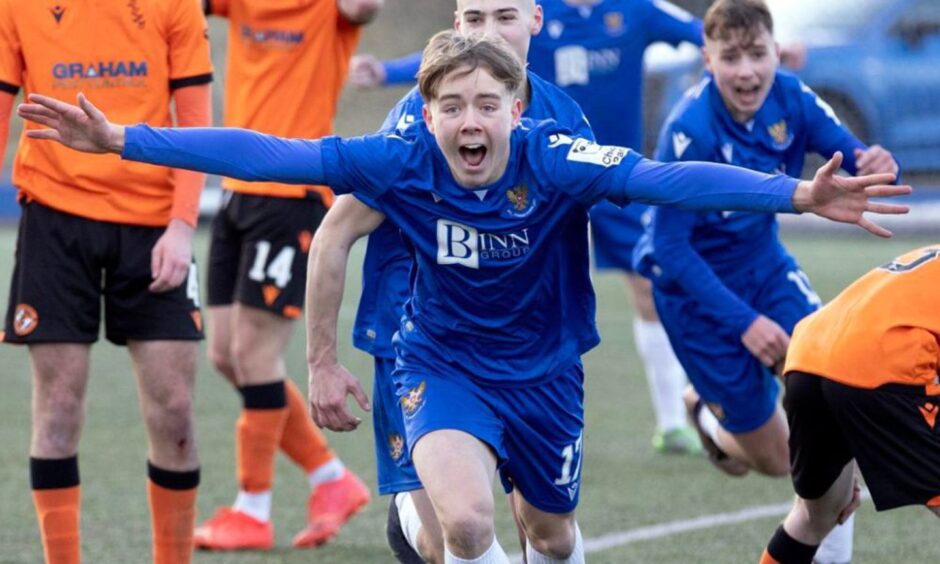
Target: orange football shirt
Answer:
[[884, 328], [287, 63], [126, 56]]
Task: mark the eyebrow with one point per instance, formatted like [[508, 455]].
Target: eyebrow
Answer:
[[458, 97], [498, 12]]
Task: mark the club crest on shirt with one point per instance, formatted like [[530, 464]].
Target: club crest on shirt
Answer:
[[413, 400], [521, 204], [396, 446], [25, 320], [780, 133], [613, 22]]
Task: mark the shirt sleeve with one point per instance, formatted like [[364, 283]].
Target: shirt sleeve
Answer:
[[11, 54], [223, 151], [826, 133], [671, 231], [188, 40], [672, 24], [402, 70]]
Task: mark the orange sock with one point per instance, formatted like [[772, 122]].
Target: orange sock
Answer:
[[766, 558], [258, 433], [301, 440], [172, 520], [58, 512]]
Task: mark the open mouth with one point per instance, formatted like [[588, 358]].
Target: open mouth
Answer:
[[747, 92], [473, 155]]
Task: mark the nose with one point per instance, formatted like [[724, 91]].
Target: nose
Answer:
[[471, 121]]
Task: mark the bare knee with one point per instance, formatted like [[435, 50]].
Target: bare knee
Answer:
[[772, 464], [220, 356], [469, 531], [169, 421], [57, 424], [555, 539]]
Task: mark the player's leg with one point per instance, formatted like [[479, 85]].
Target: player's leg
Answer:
[[165, 373], [55, 251], [447, 457], [412, 529], [162, 332], [544, 439], [60, 378], [664, 375]]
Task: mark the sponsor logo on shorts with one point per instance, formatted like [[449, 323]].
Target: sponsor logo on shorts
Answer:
[[396, 446], [929, 411], [413, 401], [270, 293], [25, 320], [304, 238]]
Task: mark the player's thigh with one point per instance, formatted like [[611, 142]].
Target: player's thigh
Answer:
[[132, 311], [259, 341], [544, 439], [395, 469], [787, 296], [893, 434], [55, 292], [735, 386], [274, 246]]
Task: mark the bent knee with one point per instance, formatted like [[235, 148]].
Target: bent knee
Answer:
[[557, 542], [470, 529]]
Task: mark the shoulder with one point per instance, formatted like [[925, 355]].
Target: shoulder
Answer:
[[693, 113], [550, 101], [405, 113]]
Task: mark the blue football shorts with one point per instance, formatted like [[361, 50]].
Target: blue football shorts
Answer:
[[396, 471], [535, 431], [734, 384]]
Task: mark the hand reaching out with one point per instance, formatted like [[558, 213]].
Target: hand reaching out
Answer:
[[83, 127]]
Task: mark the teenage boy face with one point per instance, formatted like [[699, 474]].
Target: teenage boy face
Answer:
[[743, 66], [515, 21], [472, 117]]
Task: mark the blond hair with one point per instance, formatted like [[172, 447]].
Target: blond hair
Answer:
[[448, 51]]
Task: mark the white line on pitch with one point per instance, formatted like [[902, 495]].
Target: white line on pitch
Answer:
[[669, 528]]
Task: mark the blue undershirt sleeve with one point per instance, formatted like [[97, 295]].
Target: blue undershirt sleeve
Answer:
[[402, 70], [235, 153], [704, 187]]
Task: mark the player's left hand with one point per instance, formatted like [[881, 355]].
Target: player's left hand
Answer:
[[793, 55], [856, 500], [846, 199], [171, 256], [329, 385], [875, 160], [366, 72]]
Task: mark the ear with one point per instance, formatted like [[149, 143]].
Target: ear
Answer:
[[516, 111], [706, 59], [538, 18], [426, 114], [457, 21]]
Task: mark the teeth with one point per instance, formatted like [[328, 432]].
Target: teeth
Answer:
[[473, 147]]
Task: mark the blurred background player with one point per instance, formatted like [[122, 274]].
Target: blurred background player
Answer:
[[861, 385], [726, 289], [286, 67], [593, 50], [412, 524], [94, 228]]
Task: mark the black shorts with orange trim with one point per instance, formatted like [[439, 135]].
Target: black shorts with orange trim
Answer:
[[891, 431], [258, 255], [66, 264]]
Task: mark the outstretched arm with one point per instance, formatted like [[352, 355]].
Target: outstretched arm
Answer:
[[236, 153], [329, 381], [707, 186]]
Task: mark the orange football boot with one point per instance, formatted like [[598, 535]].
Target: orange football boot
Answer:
[[329, 507], [230, 529]]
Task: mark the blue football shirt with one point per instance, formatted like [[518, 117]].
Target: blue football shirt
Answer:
[[695, 253]]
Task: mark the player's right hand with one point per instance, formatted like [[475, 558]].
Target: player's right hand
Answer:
[[766, 340], [83, 127], [329, 386], [366, 72]]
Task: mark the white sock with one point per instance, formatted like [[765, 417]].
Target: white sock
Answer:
[[332, 470], [709, 423], [664, 374], [409, 518], [493, 555], [258, 505], [836, 548], [577, 555]]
